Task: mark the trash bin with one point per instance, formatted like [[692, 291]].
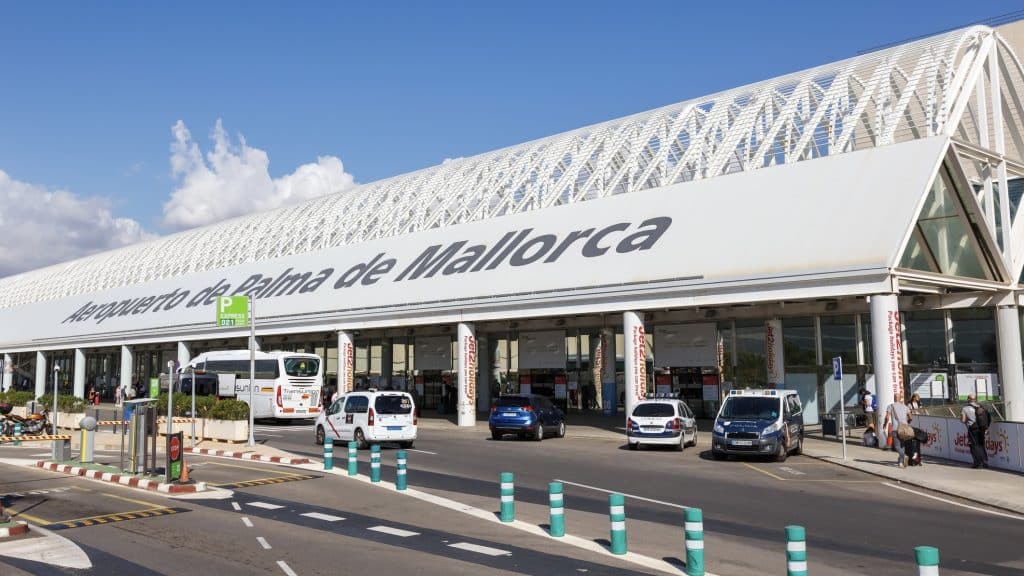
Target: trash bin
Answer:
[[828, 425]]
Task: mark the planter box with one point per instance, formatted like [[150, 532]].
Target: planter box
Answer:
[[184, 427], [69, 420], [229, 430]]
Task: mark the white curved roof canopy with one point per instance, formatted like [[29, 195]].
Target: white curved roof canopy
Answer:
[[910, 91]]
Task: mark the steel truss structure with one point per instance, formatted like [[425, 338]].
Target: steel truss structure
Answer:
[[967, 85]]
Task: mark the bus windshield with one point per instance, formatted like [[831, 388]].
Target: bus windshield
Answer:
[[301, 366]]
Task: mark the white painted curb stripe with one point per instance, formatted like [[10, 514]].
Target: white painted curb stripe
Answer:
[[693, 526], [263, 542], [618, 525], [247, 522], [694, 544], [796, 546], [481, 549], [394, 531], [285, 568]]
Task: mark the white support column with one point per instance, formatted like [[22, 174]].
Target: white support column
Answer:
[[484, 363], [1011, 372], [634, 341], [466, 404], [41, 374], [8, 378], [79, 382], [773, 353], [387, 364], [606, 384], [184, 354], [346, 362], [127, 366], [886, 355]]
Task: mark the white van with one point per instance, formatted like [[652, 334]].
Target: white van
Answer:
[[369, 417]]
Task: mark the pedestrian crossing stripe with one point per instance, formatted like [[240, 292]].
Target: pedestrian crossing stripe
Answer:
[[111, 518], [265, 481]]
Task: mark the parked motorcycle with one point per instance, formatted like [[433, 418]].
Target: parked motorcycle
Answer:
[[31, 425]]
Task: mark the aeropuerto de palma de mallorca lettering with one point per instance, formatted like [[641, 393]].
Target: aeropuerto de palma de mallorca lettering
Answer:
[[866, 209]]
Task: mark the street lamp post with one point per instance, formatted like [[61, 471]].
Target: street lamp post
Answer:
[[56, 378]]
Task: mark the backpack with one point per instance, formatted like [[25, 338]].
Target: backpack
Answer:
[[981, 417]]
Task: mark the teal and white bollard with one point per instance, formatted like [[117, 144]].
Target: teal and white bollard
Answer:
[[400, 469], [927, 560], [693, 529], [17, 432], [617, 513], [353, 459], [796, 551], [557, 509], [375, 463], [328, 453], [508, 503]]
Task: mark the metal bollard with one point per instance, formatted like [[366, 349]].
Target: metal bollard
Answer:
[[400, 469], [328, 453], [617, 513], [375, 463], [694, 533], [927, 560], [508, 504], [557, 509], [796, 551], [17, 432], [353, 459]]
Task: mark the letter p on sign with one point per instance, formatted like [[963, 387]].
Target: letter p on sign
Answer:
[[224, 303], [232, 311]]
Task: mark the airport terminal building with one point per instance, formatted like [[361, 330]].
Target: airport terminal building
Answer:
[[865, 209]]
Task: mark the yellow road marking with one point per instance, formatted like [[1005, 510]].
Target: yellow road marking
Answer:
[[35, 519], [98, 517], [247, 467], [151, 504], [752, 467]]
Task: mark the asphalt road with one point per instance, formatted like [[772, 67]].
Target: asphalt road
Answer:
[[856, 523]]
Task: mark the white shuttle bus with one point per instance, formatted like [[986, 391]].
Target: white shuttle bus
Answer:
[[288, 384]]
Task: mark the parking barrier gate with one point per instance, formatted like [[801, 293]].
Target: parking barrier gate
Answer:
[[796, 551], [328, 453], [353, 459], [557, 509], [508, 504], [400, 469], [617, 514], [693, 529], [927, 560], [375, 463]]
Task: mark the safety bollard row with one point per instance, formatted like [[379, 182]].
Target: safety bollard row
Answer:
[[508, 504], [796, 551], [400, 471], [617, 515], [328, 453], [375, 463], [693, 533], [353, 458], [557, 509]]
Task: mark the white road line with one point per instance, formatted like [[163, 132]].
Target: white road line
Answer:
[[247, 522], [263, 542], [480, 549], [652, 500], [422, 451], [284, 567], [954, 503], [319, 516], [264, 505], [236, 506], [792, 471], [394, 531]]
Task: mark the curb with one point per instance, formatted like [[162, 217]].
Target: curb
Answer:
[[248, 456], [17, 530], [125, 480]]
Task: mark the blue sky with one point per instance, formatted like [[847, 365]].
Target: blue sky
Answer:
[[92, 92]]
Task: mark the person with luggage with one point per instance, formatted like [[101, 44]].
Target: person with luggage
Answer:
[[977, 420], [898, 417]]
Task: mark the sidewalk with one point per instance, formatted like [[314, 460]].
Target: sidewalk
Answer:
[[988, 486]]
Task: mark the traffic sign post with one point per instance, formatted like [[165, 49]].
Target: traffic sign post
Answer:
[[837, 375], [175, 443], [241, 311]]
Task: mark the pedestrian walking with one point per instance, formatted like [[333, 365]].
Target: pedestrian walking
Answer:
[[898, 418], [977, 425], [867, 403], [915, 404]]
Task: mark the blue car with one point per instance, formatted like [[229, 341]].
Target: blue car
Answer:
[[527, 416]]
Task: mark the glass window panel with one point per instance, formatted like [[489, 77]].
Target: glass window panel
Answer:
[[974, 336], [839, 338], [926, 336], [915, 257], [798, 342], [947, 237], [751, 366]]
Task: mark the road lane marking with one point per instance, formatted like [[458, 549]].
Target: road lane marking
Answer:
[[953, 502], [263, 542], [798, 473], [236, 506], [36, 519], [319, 516], [394, 531], [247, 522], [285, 568], [633, 496], [765, 472], [421, 451], [792, 471], [481, 549], [151, 504], [264, 481], [265, 505]]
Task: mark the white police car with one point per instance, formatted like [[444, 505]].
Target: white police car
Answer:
[[661, 420], [759, 422]]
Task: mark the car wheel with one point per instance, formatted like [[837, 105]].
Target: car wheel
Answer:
[[694, 441], [682, 443], [718, 455], [633, 446], [782, 454], [538, 434], [360, 439], [561, 429], [407, 444], [495, 435], [320, 435], [799, 445]]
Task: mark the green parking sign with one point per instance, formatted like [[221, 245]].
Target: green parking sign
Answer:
[[233, 311]]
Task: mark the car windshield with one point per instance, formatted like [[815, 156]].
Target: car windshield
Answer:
[[654, 410], [302, 367], [510, 401], [397, 404], [750, 408]]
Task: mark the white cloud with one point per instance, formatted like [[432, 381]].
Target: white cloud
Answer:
[[43, 227], [234, 180]]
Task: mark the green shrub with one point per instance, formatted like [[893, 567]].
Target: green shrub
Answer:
[[230, 410], [183, 405], [65, 403], [17, 398]]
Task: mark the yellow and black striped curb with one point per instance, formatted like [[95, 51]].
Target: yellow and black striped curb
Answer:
[[265, 481], [111, 518]]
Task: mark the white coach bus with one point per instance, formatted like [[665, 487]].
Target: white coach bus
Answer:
[[288, 384]]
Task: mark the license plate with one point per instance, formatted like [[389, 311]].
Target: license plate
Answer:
[[742, 442], [509, 414], [395, 427], [652, 428], [302, 411]]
